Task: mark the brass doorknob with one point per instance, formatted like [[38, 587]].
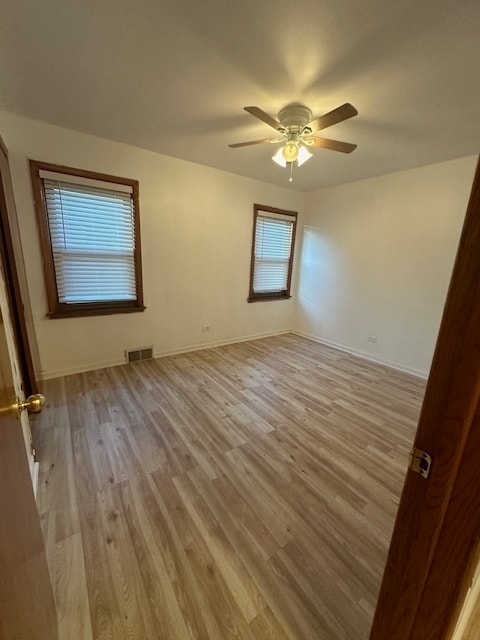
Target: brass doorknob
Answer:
[[33, 404]]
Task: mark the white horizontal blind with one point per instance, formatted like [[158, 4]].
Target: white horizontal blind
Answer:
[[273, 245], [92, 235]]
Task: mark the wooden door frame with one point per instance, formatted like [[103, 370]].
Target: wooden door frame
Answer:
[[11, 250], [435, 543]]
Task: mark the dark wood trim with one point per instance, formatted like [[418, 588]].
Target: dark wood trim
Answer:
[[268, 296], [17, 299], [90, 310], [268, 209], [44, 235], [436, 536], [82, 173], [281, 295], [138, 247], [56, 308]]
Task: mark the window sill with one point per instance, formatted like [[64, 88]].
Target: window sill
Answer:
[[263, 298], [80, 311]]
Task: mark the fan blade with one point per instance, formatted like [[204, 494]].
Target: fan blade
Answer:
[[246, 144], [334, 145], [264, 117], [333, 117]]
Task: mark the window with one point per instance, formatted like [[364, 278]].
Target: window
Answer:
[[89, 233], [272, 253]]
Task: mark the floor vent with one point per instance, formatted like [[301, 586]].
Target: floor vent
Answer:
[[135, 355]]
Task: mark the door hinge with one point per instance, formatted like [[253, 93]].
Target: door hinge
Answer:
[[420, 462]]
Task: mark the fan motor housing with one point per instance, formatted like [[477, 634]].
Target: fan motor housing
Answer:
[[295, 115]]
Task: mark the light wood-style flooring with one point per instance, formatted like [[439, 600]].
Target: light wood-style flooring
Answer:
[[246, 491]]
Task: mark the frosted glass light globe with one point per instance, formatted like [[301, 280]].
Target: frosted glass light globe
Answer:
[[290, 152]]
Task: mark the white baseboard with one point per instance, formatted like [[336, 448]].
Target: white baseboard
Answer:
[[48, 375], [365, 356], [218, 343], [58, 373]]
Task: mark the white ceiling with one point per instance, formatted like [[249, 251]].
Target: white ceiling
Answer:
[[173, 76]]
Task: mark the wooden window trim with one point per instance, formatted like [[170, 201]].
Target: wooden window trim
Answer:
[[281, 295], [57, 309]]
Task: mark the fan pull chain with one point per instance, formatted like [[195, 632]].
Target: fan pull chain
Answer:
[[291, 172]]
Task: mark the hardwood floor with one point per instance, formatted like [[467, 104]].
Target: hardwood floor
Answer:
[[246, 491]]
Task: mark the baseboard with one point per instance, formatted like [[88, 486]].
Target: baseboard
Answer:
[[218, 343], [418, 373], [49, 375]]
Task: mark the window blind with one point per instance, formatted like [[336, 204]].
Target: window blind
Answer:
[[92, 234], [273, 243]]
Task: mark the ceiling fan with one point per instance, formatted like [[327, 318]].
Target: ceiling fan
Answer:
[[298, 131]]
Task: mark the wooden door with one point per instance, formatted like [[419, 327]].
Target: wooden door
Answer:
[[435, 543], [27, 609]]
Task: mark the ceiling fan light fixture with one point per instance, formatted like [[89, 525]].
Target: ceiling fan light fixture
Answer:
[[297, 129], [303, 155]]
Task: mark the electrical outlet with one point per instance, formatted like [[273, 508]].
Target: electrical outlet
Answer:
[[372, 338]]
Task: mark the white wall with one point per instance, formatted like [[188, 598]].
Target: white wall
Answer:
[[377, 255], [196, 226], [377, 258]]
